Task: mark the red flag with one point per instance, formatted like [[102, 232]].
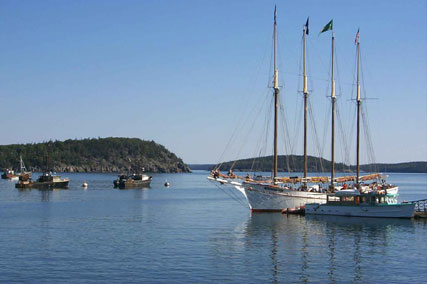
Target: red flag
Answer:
[[356, 40]]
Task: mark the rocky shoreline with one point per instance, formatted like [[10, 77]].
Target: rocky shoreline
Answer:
[[102, 155]]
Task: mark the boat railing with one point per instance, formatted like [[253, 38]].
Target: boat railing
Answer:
[[420, 205]]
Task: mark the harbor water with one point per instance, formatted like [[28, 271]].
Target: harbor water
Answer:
[[195, 232]]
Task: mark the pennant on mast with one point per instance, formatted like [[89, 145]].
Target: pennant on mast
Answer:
[[306, 26], [329, 26], [275, 13], [356, 40]]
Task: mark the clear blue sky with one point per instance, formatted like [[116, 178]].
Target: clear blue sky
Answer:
[[181, 72]]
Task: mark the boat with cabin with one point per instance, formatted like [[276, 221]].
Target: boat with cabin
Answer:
[[47, 180], [132, 181], [354, 203]]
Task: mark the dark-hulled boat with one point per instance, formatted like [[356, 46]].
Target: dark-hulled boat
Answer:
[[132, 181], [46, 181]]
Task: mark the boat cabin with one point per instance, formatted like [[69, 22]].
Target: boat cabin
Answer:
[[356, 199]]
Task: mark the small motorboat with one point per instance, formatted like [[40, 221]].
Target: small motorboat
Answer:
[[132, 181]]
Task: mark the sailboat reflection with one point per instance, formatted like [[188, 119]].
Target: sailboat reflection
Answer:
[[305, 249]]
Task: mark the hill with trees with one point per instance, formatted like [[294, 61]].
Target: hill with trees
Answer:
[[296, 164], [93, 155]]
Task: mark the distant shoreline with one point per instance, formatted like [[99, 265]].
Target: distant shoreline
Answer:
[[241, 166]]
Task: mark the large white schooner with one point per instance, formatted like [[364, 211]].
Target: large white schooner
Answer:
[[279, 193]]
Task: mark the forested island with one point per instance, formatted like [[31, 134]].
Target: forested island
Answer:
[[93, 155], [294, 163]]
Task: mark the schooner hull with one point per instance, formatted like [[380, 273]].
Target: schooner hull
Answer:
[[262, 198]]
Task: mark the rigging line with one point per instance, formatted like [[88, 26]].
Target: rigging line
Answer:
[[299, 75], [253, 124], [366, 121], [282, 116], [316, 138], [309, 68], [369, 152], [287, 140], [248, 132], [351, 120], [227, 192], [267, 130], [352, 134], [265, 134], [240, 121], [297, 125], [326, 128], [285, 132], [298, 106], [370, 148], [238, 128], [338, 72], [344, 143]]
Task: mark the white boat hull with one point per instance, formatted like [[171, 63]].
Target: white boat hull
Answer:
[[262, 198], [405, 210]]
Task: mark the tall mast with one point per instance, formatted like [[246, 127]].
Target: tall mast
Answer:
[[21, 164], [358, 114], [305, 91], [276, 96], [333, 98]]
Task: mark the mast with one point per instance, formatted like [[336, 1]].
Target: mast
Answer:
[[305, 91], [358, 114], [276, 96], [22, 166], [333, 98]]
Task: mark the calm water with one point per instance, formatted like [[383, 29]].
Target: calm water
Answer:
[[195, 232]]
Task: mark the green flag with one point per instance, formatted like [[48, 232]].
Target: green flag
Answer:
[[328, 26]]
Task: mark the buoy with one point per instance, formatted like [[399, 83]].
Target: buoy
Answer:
[[167, 184], [84, 184]]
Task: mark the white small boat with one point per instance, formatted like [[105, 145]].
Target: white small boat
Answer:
[[352, 203]]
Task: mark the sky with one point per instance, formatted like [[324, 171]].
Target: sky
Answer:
[[193, 75]]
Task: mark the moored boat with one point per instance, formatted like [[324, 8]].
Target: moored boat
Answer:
[[9, 174], [46, 181], [352, 203], [132, 181]]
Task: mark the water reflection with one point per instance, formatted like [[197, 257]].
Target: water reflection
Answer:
[[45, 194], [299, 248]]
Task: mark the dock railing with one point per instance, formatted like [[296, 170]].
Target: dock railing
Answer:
[[420, 205]]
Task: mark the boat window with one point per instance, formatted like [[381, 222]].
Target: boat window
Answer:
[[333, 199], [347, 198]]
